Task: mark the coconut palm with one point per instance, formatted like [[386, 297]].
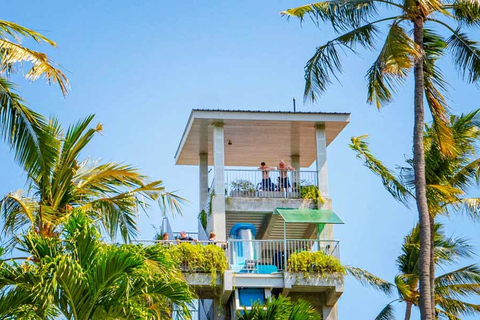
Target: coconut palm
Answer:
[[453, 289], [448, 177], [20, 127], [358, 24], [281, 308], [79, 277], [111, 193]]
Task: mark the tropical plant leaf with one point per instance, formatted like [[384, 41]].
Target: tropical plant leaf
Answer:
[[390, 182], [387, 313], [392, 65], [466, 55], [342, 14], [368, 279]]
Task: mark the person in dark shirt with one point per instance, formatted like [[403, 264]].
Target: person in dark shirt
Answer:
[[183, 237]]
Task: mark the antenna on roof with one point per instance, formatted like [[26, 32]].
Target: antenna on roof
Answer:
[[294, 105]]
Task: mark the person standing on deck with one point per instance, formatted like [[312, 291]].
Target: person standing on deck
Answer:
[[266, 182], [283, 170]]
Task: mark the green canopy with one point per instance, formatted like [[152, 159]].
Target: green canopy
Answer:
[[309, 216]]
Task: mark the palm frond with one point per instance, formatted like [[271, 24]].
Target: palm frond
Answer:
[[326, 63], [466, 275], [470, 207], [24, 130], [368, 279], [466, 55], [75, 140], [387, 313], [342, 14], [16, 31], [391, 67], [435, 86], [466, 12], [390, 182], [17, 210], [13, 53]]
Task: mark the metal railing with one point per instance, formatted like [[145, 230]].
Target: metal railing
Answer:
[[268, 184], [191, 234], [268, 256], [261, 256]]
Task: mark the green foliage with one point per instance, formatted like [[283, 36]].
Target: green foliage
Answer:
[[314, 262], [242, 186], [453, 290], [210, 203], [203, 219], [281, 308], [81, 277], [198, 258], [311, 192], [111, 193]]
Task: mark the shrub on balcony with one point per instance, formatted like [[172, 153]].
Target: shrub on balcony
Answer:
[[242, 187], [314, 262], [311, 192], [198, 258]]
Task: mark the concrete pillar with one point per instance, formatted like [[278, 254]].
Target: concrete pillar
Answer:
[[218, 201], [203, 174], [296, 174], [322, 172], [321, 143], [329, 313], [203, 194]]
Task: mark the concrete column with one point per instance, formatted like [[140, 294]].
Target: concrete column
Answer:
[[218, 204], [203, 174], [329, 313], [295, 161], [295, 174], [321, 142], [203, 194], [322, 172]]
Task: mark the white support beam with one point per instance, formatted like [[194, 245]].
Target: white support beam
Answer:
[[218, 204], [321, 143], [203, 174]]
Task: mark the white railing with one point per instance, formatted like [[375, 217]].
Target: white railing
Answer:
[[268, 184], [261, 256], [190, 234], [268, 256]]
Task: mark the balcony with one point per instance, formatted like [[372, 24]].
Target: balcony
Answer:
[[269, 256], [271, 184], [257, 256]]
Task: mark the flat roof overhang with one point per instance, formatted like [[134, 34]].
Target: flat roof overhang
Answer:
[[257, 136]]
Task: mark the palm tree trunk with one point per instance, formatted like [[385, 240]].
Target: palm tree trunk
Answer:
[[408, 311], [420, 184], [432, 265]]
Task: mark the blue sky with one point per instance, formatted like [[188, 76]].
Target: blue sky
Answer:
[[141, 66]]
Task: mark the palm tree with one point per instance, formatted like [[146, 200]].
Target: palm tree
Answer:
[[358, 24], [20, 127], [79, 277], [448, 177], [281, 308], [452, 290], [111, 193]]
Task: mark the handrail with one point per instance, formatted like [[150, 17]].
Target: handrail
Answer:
[[262, 256], [268, 184]]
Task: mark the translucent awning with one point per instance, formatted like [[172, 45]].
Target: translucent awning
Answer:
[[309, 216]]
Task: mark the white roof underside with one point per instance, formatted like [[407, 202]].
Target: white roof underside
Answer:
[[257, 136]]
